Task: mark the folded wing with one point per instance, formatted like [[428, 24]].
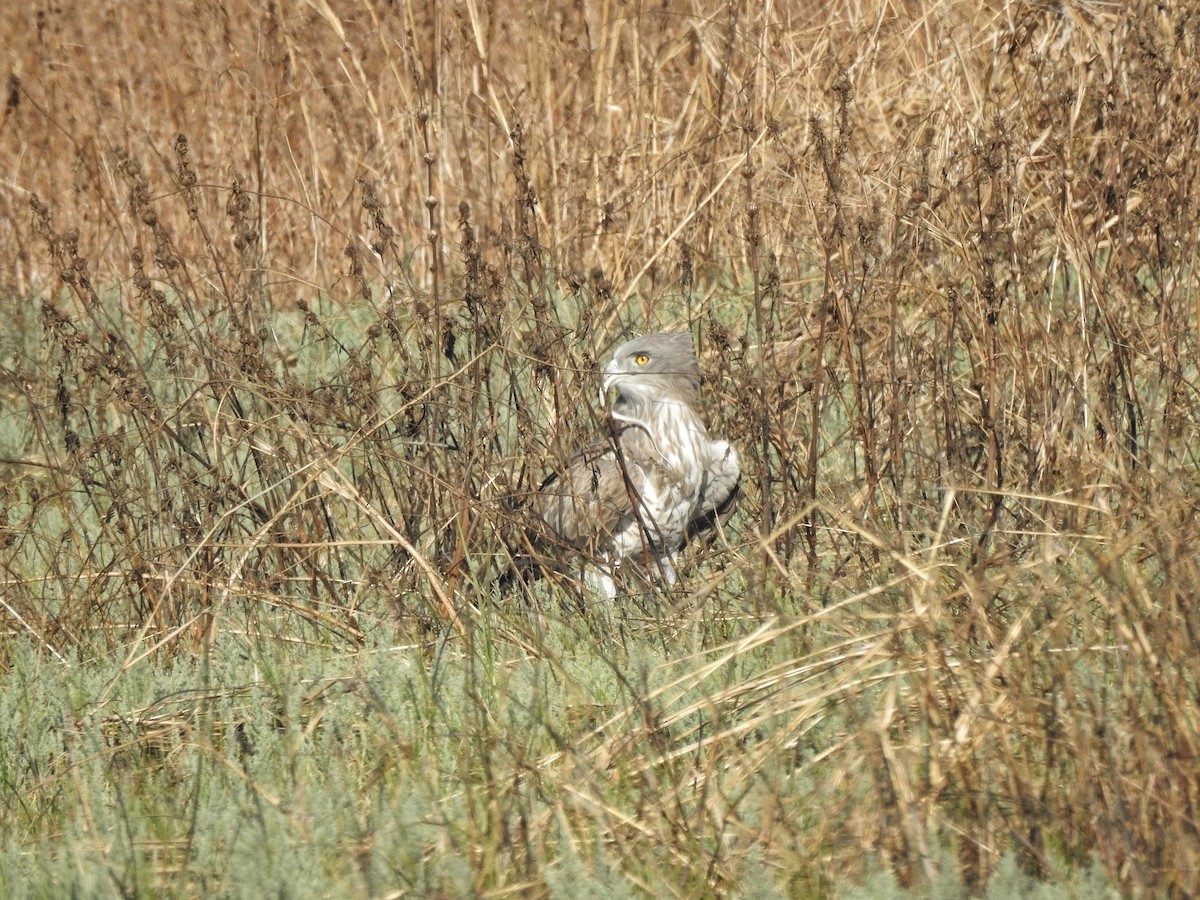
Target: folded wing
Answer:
[[592, 500]]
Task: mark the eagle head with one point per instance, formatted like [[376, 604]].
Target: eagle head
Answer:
[[654, 368]]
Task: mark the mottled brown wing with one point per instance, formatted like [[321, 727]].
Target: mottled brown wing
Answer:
[[592, 498]]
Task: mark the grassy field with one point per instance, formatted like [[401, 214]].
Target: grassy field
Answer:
[[305, 298]]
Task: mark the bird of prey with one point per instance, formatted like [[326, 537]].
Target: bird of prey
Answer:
[[654, 479]]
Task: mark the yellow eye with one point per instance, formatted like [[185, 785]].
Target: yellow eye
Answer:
[[642, 358]]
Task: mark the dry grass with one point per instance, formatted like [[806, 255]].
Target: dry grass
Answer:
[[305, 298]]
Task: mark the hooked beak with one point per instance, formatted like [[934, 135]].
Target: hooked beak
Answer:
[[610, 378]]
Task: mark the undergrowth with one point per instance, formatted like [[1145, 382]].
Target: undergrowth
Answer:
[[304, 303]]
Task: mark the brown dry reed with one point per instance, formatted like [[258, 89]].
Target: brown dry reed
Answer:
[[304, 298]]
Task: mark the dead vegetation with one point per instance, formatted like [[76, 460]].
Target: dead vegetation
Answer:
[[305, 299]]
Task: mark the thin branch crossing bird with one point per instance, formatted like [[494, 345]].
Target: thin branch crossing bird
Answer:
[[654, 479]]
